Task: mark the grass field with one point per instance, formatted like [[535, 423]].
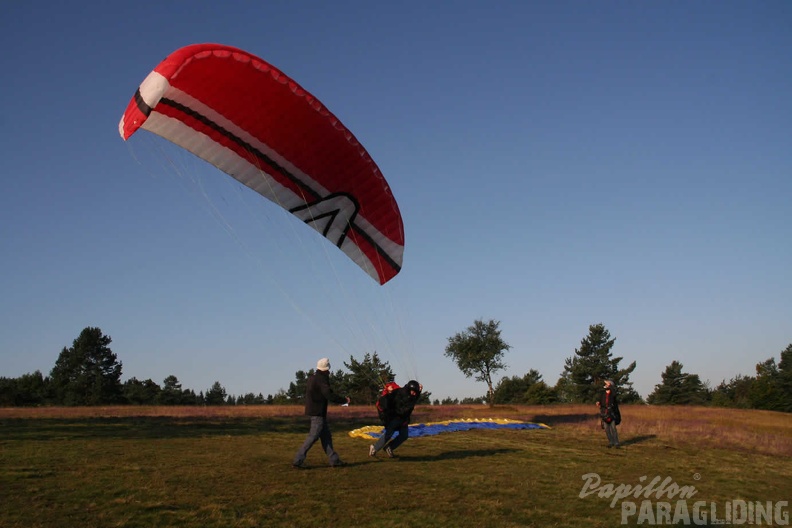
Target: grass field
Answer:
[[231, 467]]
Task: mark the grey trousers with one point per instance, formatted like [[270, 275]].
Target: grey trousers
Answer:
[[610, 430], [318, 431]]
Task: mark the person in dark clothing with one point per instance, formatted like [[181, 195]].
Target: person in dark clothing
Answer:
[[397, 408], [382, 400], [317, 395], [609, 413]]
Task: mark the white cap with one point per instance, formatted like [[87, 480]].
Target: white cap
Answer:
[[323, 364]]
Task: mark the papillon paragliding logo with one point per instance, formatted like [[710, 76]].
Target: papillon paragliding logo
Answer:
[[661, 501]]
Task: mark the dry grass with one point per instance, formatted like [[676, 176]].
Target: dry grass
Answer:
[[751, 431], [230, 466]]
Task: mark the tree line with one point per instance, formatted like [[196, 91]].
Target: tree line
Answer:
[[89, 373], [479, 351]]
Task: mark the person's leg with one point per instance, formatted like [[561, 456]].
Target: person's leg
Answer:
[[610, 430], [390, 428], [313, 435], [327, 444], [615, 435], [404, 434]]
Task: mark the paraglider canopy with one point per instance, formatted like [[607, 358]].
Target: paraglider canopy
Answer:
[[253, 122]]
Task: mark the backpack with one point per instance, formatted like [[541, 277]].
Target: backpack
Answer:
[[384, 403]]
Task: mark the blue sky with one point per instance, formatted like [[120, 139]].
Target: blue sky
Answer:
[[557, 165]]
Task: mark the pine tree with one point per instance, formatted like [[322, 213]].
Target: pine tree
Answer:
[[679, 388], [767, 391], [515, 389], [785, 378], [172, 393], [592, 364], [296, 392], [87, 373], [366, 379], [216, 395]]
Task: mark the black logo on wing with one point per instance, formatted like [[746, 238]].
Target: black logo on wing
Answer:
[[333, 216]]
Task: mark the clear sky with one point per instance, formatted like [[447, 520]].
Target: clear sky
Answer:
[[557, 164]]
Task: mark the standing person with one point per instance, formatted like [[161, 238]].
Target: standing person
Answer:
[[317, 395], [397, 407], [609, 413]]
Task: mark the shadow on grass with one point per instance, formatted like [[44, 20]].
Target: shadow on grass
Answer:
[[45, 429], [558, 419], [448, 455], [457, 455], [637, 439]]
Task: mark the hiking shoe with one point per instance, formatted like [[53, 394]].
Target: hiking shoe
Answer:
[[372, 451], [389, 452]]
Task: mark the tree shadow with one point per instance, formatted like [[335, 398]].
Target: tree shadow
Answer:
[[560, 419], [135, 427]]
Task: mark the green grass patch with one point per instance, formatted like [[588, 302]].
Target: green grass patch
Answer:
[[148, 467]]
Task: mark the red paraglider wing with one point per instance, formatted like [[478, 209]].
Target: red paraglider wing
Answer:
[[254, 123]]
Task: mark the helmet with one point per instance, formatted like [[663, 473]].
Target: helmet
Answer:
[[413, 385]]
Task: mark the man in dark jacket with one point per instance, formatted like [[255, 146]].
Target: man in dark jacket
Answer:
[[397, 409], [609, 413], [317, 396]]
